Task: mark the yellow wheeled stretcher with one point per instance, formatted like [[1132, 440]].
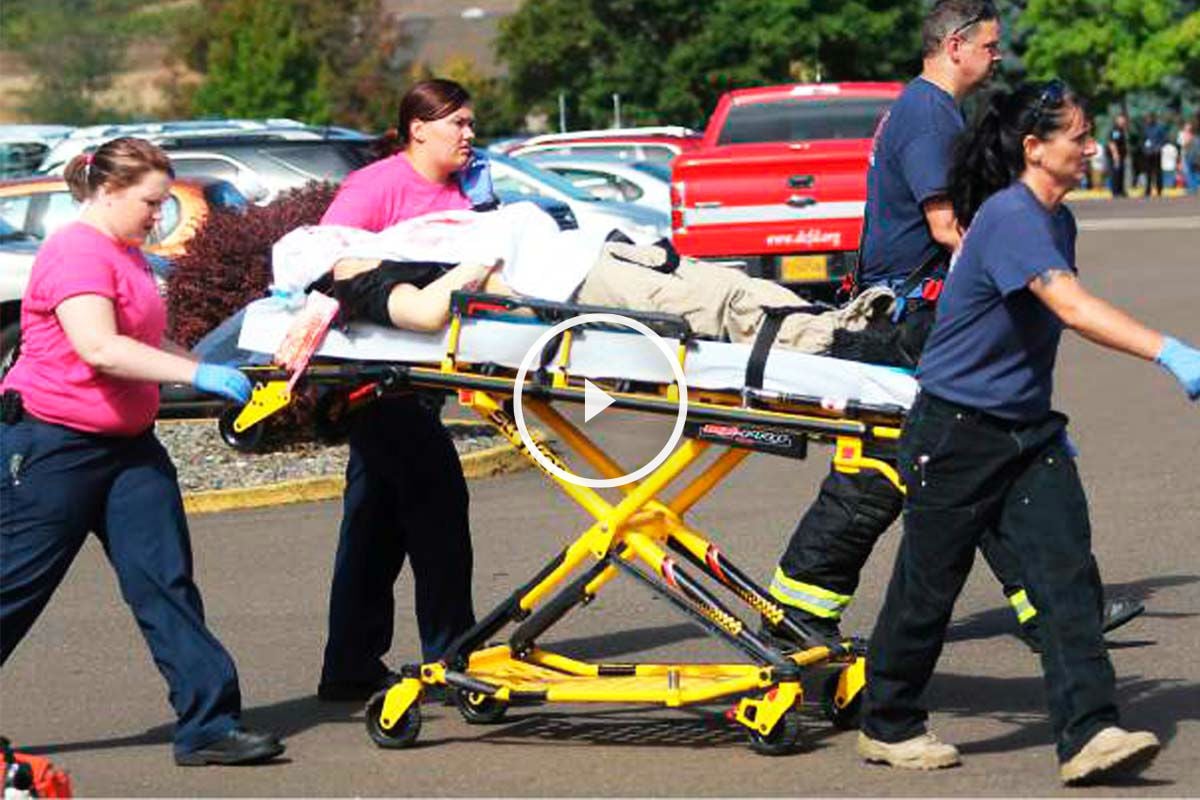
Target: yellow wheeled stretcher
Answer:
[[644, 535]]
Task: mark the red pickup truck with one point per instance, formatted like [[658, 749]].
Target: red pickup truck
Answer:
[[780, 180]]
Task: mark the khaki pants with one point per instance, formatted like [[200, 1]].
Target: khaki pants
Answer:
[[722, 302]]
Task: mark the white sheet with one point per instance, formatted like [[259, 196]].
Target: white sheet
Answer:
[[549, 263], [598, 354]]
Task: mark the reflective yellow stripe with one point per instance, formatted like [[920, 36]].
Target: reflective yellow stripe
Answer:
[[807, 597], [1022, 607]]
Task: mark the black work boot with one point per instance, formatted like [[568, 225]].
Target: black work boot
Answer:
[[783, 639], [237, 747]]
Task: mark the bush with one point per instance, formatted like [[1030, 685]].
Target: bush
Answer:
[[228, 265], [228, 262]]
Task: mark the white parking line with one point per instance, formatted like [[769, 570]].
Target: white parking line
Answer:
[[1141, 224]]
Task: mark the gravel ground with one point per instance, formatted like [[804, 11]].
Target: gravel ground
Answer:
[[205, 462]]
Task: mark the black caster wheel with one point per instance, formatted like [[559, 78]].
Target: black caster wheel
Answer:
[[400, 735], [244, 441], [846, 717], [479, 709], [783, 739]]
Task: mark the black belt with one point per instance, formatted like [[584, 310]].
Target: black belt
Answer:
[[979, 416]]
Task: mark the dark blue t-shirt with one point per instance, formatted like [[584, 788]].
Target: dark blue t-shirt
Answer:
[[994, 342], [909, 164]]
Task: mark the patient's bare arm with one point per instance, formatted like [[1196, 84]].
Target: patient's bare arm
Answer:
[[428, 309]]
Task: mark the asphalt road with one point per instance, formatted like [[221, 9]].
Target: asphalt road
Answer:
[[82, 688]]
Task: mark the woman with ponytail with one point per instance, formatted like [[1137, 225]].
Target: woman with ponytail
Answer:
[[406, 497], [983, 450], [77, 441]]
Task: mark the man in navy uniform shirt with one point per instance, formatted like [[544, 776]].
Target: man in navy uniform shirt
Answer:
[[909, 227]]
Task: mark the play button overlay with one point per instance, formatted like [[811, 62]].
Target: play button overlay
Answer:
[[596, 400]]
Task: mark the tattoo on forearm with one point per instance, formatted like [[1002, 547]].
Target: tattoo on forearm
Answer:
[[1048, 277]]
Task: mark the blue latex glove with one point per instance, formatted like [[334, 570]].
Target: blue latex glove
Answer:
[[1183, 361], [476, 180], [224, 381]]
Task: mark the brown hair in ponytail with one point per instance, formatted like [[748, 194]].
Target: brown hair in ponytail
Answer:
[[117, 163]]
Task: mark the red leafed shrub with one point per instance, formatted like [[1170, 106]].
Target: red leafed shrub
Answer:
[[227, 265], [228, 262]]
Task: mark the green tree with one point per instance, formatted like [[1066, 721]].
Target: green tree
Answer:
[[260, 65], [1107, 49], [670, 59], [72, 48], [319, 60]]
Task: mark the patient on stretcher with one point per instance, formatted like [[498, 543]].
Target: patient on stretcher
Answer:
[[404, 276]]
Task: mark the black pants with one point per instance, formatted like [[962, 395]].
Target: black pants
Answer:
[[59, 485], [1117, 179], [819, 571], [1154, 175], [405, 497], [967, 473]]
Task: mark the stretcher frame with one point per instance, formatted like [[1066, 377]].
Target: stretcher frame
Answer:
[[641, 535]]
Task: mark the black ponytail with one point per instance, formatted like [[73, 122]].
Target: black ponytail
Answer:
[[990, 153]]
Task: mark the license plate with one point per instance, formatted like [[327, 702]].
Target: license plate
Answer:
[[803, 269]]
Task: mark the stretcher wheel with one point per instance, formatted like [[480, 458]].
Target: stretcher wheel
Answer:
[[848, 716], [400, 735], [243, 441], [479, 709], [783, 739]]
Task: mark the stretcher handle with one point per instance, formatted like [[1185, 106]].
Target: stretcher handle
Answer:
[[480, 305]]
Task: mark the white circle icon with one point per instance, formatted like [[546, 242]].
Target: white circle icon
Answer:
[[536, 350]]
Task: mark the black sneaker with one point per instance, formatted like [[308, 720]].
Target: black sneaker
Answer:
[[1117, 612], [238, 747], [354, 691], [1120, 610]]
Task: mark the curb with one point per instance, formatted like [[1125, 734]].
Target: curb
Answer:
[[499, 460], [1105, 194]]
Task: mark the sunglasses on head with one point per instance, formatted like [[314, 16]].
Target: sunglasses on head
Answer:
[[1050, 97], [985, 13]]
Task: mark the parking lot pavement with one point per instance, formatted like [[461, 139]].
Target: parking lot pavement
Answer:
[[82, 688]]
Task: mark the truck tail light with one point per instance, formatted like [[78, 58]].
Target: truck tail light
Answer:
[[677, 199]]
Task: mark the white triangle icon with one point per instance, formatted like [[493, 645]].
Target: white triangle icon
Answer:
[[595, 400]]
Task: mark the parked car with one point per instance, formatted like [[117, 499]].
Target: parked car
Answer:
[[660, 143], [781, 180], [33, 208], [518, 177], [612, 180], [23, 147], [40, 206], [262, 167], [82, 140]]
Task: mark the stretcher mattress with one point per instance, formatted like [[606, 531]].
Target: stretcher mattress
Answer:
[[596, 354]]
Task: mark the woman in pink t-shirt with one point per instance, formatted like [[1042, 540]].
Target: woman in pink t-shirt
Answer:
[[405, 493], [78, 452]]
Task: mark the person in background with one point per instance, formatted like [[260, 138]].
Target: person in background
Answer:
[[983, 450], [1117, 151], [1154, 138], [1189, 157], [405, 496], [79, 453]]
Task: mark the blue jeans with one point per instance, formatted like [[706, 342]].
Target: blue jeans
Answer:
[[56, 486], [405, 498], [968, 473]]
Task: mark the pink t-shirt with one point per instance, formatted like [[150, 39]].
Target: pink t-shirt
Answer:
[[56, 385], [389, 191]]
